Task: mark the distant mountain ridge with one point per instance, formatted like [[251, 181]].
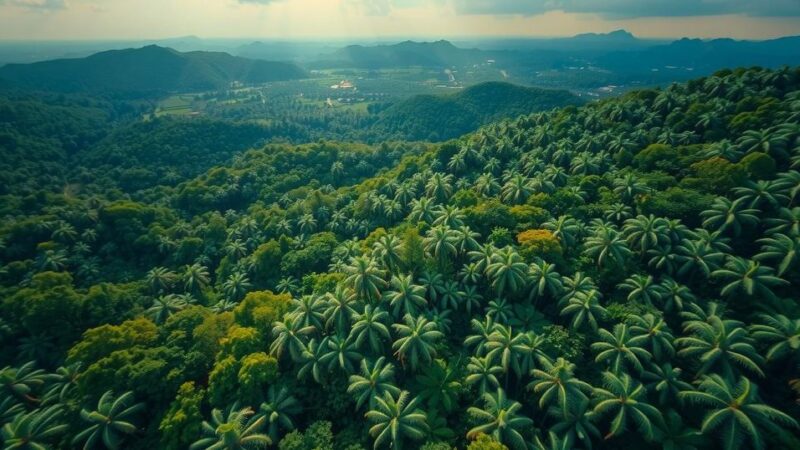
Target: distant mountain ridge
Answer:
[[404, 54], [441, 117], [150, 69]]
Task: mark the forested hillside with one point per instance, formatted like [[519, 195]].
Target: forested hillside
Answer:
[[146, 71], [621, 274], [442, 117]]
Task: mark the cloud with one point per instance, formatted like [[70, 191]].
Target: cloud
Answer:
[[632, 8], [40, 5]]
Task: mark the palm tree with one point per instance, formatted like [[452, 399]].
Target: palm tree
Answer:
[[736, 412], [544, 279], [287, 285], [748, 277], [645, 232], [642, 289], [727, 215], [781, 333], [500, 418], [480, 337], [339, 352], [110, 422], [565, 228], [238, 429], [195, 278], [165, 306], [674, 295], [584, 307], [781, 248], [160, 279], [483, 373], [370, 327], [440, 241], [422, 210], [627, 400], [373, 381], [438, 386], [278, 410], [666, 381], [310, 310], [21, 382], [405, 296], [720, 345], [395, 420], [767, 141], [364, 278], [653, 333], [236, 286], [340, 307], [556, 382], [33, 430], [450, 296], [577, 425], [629, 187], [388, 249], [507, 271], [289, 335], [517, 189], [416, 340], [439, 187], [694, 256], [607, 245], [506, 347], [619, 348]]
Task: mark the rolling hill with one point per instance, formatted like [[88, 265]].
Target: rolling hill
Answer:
[[404, 54], [441, 117], [147, 70]]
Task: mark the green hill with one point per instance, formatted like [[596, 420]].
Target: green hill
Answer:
[[404, 54], [441, 117], [146, 70]]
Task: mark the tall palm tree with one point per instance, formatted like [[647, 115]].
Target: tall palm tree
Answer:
[[544, 280], [440, 241], [725, 215], [405, 297], [781, 248], [584, 308], [369, 327], [665, 380], [606, 245], [780, 333], [160, 279], [364, 278], [735, 412], [395, 420], [556, 383], [507, 271], [34, 430], [111, 422], [500, 418], [195, 277], [506, 347], [619, 349], [720, 346], [627, 401], [373, 381], [479, 338], [416, 339], [164, 306], [236, 286], [748, 277], [388, 249], [289, 335], [642, 289], [482, 372], [278, 410], [438, 386], [340, 307], [237, 429], [654, 334], [22, 382]]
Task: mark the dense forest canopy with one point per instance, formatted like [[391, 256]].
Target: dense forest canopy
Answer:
[[619, 274]]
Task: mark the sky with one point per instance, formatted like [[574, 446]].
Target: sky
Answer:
[[364, 19]]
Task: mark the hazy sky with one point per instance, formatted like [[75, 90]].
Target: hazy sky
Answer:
[[145, 19]]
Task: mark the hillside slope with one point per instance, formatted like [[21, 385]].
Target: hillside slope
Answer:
[[441, 117], [150, 69]]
